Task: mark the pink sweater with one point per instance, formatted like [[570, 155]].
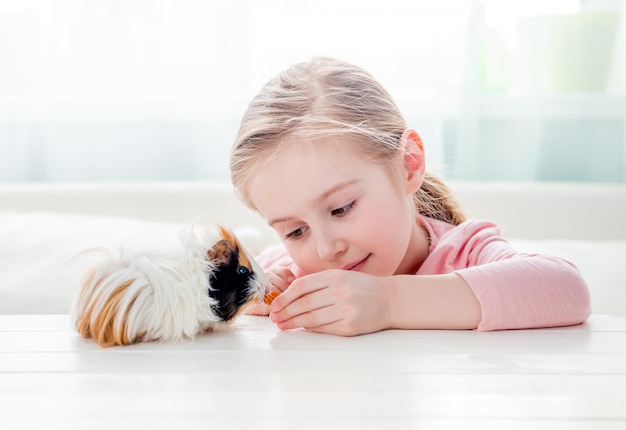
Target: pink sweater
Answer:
[[515, 290]]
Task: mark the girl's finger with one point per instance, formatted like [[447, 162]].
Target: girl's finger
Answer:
[[277, 282], [314, 320], [284, 273], [257, 309], [300, 288], [300, 298]]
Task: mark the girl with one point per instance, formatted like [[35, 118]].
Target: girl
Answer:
[[370, 240]]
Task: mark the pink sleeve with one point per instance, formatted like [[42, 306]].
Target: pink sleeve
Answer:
[[518, 290]]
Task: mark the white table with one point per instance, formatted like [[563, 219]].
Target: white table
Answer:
[[254, 376]]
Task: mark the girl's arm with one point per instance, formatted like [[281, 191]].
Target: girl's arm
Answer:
[[480, 282], [431, 302], [528, 291], [351, 303], [525, 291], [521, 292], [515, 290]]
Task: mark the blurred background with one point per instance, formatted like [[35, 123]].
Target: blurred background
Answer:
[[135, 90]]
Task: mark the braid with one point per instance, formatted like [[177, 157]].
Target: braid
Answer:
[[435, 200]]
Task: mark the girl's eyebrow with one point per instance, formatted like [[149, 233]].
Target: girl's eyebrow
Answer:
[[326, 194], [332, 190]]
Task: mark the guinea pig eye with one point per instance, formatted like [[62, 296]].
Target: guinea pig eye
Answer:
[[242, 270]]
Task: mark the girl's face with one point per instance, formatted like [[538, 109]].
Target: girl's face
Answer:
[[335, 210]]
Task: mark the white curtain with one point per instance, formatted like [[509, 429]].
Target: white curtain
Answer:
[[94, 90]]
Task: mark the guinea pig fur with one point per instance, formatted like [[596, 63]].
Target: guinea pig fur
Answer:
[[168, 294]]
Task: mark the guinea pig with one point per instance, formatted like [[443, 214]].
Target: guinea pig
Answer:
[[168, 294]]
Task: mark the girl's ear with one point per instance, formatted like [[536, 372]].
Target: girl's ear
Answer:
[[413, 159]]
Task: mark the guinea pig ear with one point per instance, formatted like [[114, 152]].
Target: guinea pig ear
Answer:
[[221, 252]]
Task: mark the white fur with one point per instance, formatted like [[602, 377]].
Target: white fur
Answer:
[[168, 296]]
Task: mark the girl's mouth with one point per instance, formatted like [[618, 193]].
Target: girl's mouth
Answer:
[[357, 266]]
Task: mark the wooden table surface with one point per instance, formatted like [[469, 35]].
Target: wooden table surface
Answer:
[[253, 376]]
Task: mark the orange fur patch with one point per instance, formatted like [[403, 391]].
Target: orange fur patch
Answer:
[[106, 332], [83, 325], [103, 328]]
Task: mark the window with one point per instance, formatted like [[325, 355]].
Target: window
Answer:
[[154, 89]]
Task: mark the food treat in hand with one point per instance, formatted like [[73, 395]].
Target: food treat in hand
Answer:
[[269, 298]]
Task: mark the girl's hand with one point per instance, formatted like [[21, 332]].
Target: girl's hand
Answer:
[[339, 302], [280, 278]]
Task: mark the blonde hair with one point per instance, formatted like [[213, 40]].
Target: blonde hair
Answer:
[[326, 97]]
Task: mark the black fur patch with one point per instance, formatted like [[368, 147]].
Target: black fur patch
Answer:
[[229, 286]]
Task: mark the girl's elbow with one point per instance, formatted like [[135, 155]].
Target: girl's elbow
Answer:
[[579, 296]]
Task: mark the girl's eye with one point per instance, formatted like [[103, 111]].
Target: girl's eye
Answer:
[[296, 234], [342, 210]]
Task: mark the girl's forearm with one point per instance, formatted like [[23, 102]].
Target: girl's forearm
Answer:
[[431, 302]]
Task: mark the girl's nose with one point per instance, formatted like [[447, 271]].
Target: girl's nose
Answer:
[[329, 246]]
